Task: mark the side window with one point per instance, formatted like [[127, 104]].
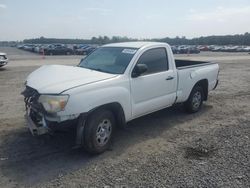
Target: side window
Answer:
[[155, 59]]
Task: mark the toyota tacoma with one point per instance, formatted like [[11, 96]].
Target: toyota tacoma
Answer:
[[113, 85]]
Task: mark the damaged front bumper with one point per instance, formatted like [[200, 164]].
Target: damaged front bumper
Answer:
[[40, 124], [38, 120], [34, 128]]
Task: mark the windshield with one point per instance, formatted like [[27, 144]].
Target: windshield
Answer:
[[112, 60]]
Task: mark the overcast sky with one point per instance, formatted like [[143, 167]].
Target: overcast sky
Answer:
[[21, 19]]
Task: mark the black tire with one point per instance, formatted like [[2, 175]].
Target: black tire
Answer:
[[195, 100], [96, 139]]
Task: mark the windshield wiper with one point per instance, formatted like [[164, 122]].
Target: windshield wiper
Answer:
[[97, 69], [101, 70]]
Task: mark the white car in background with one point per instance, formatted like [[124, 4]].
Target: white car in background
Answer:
[[3, 59]]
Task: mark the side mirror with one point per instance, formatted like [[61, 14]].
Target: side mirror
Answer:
[[139, 70]]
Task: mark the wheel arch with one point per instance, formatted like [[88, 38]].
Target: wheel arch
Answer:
[[204, 84], [116, 109]]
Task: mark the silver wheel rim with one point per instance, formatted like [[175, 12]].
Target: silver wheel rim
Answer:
[[103, 132], [196, 100]]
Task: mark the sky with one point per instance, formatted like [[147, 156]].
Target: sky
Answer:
[[83, 19]]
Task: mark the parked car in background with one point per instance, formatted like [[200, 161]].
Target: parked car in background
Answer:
[[246, 49], [58, 50], [20, 46], [80, 49], [88, 50], [3, 59], [29, 47], [203, 48], [216, 48], [193, 50], [185, 49], [174, 49], [39, 48], [84, 50]]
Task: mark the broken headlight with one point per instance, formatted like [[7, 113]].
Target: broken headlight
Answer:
[[53, 103]]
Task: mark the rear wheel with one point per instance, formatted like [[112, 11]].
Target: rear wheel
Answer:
[[98, 131], [195, 100]]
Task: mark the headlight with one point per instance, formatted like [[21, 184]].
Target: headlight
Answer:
[[53, 103]]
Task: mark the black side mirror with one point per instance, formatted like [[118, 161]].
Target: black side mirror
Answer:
[[139, 70]]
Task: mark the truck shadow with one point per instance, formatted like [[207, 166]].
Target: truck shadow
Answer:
[[28, 160], [3, 69], [153, 125]]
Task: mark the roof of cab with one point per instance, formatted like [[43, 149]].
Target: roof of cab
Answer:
[[133, 44]]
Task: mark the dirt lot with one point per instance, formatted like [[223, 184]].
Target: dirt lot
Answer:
[[166, 149]]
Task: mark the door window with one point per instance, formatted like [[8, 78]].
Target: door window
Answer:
[[155, 59]]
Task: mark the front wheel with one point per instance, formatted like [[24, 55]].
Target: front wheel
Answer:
[[195, 100], [98, 131]]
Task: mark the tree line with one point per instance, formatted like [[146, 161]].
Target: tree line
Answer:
[[243, 39], [240, 39]]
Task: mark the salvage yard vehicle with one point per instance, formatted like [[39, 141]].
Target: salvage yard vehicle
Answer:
[[113, 85], [84, 50], [186, 49], [3, 59], [88, 50], [58, 50]]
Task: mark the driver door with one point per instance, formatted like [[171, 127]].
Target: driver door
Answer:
[[156, 88]]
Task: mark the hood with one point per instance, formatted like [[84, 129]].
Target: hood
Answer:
[[54, 79]]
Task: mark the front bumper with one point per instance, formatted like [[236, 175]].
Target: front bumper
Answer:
[[35, 128], [38, 120], [40, 124]]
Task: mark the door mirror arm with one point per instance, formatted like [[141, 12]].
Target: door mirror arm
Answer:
[[139, 69]]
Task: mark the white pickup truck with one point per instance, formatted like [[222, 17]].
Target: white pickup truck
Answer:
[[112, 86]]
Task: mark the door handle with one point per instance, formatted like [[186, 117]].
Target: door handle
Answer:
[[170, 78]]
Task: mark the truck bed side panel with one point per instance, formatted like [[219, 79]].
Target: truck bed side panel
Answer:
[[190, 76]]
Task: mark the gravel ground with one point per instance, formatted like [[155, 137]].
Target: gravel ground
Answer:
[[166, 149]]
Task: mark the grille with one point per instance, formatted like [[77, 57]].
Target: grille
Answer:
[[31, 97]]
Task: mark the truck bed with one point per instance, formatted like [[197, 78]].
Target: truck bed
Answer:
[[181, 64]]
